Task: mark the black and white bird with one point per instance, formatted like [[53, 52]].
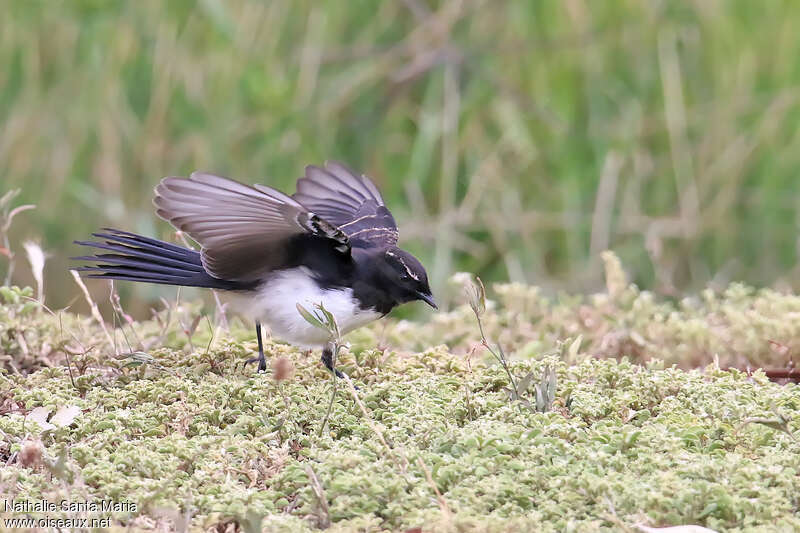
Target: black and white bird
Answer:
[[331, 243]]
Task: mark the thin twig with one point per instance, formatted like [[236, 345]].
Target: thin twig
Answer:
[[476, 293], [403, 463], [61, 336], [319, 492], [66, 352], [6, 217], [95, 310], [501, 357], [113, 297], [442, 502]]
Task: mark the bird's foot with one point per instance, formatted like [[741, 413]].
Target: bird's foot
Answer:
[[327, 360], [262, 363]]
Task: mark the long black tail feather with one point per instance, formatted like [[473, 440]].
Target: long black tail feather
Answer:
[[137, 258]]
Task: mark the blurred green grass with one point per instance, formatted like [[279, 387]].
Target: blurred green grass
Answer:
[[514, 139]]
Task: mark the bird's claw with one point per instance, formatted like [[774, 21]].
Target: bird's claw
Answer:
[[262, 363]]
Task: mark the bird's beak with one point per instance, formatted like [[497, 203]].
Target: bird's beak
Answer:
[[427, 298]]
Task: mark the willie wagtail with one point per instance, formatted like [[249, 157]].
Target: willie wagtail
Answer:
[[332, 243]]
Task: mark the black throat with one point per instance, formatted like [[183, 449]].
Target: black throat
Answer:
[[361, 274], [370, 288], [359, 271]]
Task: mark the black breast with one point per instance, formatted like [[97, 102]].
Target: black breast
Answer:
[[370, 287], [359, 270], [330, 268]]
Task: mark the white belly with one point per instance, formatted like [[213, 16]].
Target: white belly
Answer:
[[275, 306]]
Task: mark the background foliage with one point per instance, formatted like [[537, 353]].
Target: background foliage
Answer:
[[513, 139]]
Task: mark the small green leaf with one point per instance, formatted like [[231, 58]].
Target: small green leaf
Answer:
[[630, 439], [525, 382], [59, 468], [311, 319], [550, 372], [574, 348], [779, 424], [9, 295], [329, 320], [540, 400], [138, 357], [546, 390]]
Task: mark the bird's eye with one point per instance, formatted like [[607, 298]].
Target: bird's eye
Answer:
[[405, 277]]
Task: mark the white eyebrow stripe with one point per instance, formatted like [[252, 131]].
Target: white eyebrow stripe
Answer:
[[357, 220], [408, 270], [379, 230]]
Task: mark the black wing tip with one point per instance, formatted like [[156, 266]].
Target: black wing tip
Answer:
[[109, 235], [103, 235], [81, 269]]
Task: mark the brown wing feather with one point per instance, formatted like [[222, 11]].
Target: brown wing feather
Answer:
[[243, 230], [349, 201]]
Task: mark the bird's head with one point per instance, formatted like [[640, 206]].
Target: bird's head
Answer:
[[407, 276]]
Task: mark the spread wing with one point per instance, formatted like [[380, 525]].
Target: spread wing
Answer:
[[349, 201], [244, 231]]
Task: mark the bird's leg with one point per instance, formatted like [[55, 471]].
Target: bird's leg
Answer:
[[327, 359], [262, 362]]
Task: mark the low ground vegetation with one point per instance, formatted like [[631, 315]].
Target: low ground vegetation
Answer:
[[163, 414]]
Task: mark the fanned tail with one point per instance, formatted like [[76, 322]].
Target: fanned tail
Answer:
[[134, 257]]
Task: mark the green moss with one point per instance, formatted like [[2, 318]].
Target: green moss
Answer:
[[625, 443], [738, 326], [663, 446]]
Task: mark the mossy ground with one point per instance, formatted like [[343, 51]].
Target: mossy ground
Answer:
[[192, 435]]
